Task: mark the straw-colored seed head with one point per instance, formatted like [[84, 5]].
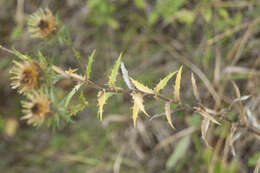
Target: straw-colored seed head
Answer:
[[25, 76], [37, 108], [41, 23]]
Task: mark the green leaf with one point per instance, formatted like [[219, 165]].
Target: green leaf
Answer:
[[223, 13], [167, 8], [71, 94], [16, 32], [179, 151], [164, 82], [185, 16], [74, 109], [90, 62], [253, 159], [113, 75], [82, 98], [206, 12], [64, 36], [53, 94], [20, 55], [42, 58], [140, 3], [76, 53]]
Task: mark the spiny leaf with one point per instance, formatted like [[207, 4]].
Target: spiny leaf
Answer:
[[136, 111], [168, 113], [177, 86], [195, 88], [75, 108], [206, 115], [204, 130], [102, 98], [113, 75], [142, 87], [82, 98], [138, 99], [71, 94], [89, 66], [164, 82]]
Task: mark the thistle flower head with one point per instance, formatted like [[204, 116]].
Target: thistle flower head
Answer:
[[37, 108], [25, 75], [42, 23]]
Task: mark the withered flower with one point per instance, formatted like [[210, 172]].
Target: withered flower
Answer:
[[25, 75], [37, 108], [42, 23]]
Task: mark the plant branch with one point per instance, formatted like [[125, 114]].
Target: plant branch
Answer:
[[79, 78]]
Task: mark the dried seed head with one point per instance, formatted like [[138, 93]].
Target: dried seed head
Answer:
[[37, 108], [25, 76], [41, 23]]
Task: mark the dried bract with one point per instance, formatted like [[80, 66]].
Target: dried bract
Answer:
[[25, 76], [42, 23], [37, 108]]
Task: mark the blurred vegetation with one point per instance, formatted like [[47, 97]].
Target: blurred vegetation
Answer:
[[220, 37]]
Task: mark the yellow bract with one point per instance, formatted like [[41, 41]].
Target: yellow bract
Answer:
[[138, 105], [195, 88], [176, 91], [102, 98], [168, 113], [142, 87]]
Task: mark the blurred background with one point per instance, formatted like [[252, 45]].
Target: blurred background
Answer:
[[218, 38]]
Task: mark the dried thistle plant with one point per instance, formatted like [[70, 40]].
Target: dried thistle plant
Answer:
[[42, 97], [42, 23], [36, 108], [25, 75]]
